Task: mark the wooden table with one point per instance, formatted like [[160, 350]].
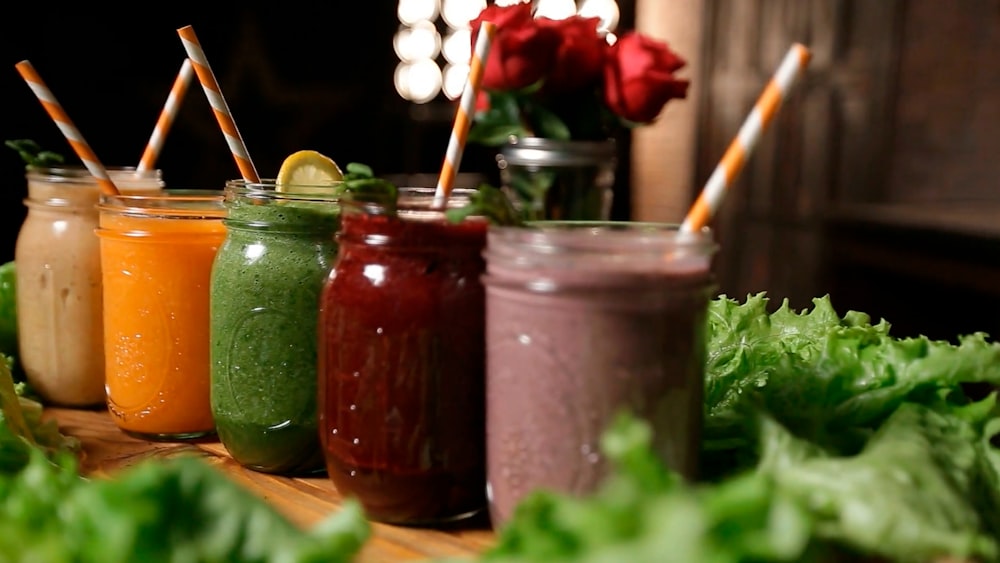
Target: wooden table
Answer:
[[304, 500]]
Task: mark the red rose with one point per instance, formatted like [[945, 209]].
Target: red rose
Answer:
[[639, 77], [482, 102], [522, 50], [580, 55]]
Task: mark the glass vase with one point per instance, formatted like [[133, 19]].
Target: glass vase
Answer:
[[549, 179]]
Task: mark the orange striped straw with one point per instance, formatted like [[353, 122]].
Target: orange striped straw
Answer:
[[218, 103], [58, 114], [166, 119], [466, 107], [739, 150]]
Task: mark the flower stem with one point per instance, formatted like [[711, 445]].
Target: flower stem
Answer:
[[525, 124]]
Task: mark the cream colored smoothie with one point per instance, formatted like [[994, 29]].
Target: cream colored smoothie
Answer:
[[59, 292]]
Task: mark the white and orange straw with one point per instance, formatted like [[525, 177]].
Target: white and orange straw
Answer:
[[463, 115], [218, 103], [76, 140], [166, 119], [739, 150]]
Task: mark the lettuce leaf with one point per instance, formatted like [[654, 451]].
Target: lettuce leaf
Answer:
[[645, 513], [175, 510], [831, 379], [922, 488]]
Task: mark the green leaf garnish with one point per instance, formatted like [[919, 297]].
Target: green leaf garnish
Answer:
[[362, 185], [33, 155], [358, 170], [489, 202]]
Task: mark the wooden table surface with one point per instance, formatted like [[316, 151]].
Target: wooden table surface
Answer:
[[304, 500]]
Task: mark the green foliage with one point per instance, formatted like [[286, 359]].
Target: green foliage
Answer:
[[490, 202], [181, 509], [8, 309], [33, 155], [527, 113]]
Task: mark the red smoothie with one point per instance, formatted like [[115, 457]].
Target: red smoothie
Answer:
[[401, 365]]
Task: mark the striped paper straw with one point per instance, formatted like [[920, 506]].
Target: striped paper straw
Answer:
[[218, 103], [166, 119], [460, 129], [739, 150], [76, 140]]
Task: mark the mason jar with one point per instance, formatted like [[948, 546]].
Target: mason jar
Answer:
[[583, 321], [156, 259], [266, 284], [59, 294], [550, 179], [401, 360]]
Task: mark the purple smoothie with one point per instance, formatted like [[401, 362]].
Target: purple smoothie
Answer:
[[581, 323]]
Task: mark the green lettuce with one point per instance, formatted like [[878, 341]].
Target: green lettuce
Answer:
[[180, 509], [831, 379], [645, 513], [177, 510], [923, 487]]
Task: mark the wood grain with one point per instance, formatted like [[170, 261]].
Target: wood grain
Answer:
[[304, 500]]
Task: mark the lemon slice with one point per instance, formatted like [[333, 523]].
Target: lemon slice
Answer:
[[308, 172]]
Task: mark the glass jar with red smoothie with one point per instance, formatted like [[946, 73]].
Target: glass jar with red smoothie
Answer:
[[402, 361]]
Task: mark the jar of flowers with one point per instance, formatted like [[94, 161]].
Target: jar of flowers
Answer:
[[555, 95]]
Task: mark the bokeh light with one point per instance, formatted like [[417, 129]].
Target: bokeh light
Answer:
[[458, 13], [421, 41], [455, 76], [419, 82], [457, 47], [606, 10], [413, 11], [555, 9]]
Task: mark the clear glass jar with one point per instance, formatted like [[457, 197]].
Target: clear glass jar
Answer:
[[266, 283], [585, 320], [59, 296], [549, 179], [156, 261], [401, 398]]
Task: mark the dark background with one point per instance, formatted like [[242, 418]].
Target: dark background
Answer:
[[295, 76]]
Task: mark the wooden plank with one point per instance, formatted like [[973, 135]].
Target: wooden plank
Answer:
[[304, 500]]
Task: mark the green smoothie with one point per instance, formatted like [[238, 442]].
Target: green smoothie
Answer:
[[266, 283]]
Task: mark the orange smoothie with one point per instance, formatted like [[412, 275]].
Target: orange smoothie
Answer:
[[156, 259]]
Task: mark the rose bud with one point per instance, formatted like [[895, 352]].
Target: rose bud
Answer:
[[522, 50], [579, 58], [639, 79]]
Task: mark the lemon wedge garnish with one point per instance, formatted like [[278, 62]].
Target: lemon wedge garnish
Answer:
[[308, 172]]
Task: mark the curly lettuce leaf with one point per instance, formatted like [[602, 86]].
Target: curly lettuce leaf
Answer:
[[645, 513], [831, 379], [923, 488]]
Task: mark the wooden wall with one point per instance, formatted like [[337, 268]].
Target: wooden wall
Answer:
[[879, 182], [827, 143]]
